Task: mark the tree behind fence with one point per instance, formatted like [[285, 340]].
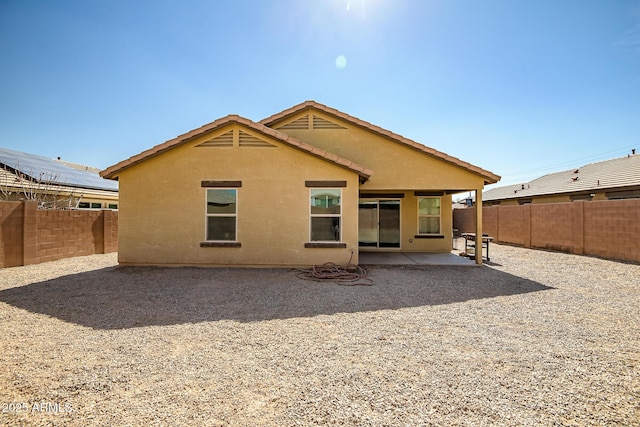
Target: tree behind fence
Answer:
[[45, 188]]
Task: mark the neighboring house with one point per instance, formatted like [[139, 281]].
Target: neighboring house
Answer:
[[54, 184], [305, 186], [467, 202], [607, 180]]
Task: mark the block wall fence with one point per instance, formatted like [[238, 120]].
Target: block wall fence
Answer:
[[608, 228], [31, 236]]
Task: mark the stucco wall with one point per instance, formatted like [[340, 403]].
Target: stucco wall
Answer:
[[409, 226], [395, 165], [397, 168], [162, 218], [162, 206]]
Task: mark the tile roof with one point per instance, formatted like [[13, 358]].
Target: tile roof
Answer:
[[490, 178], [45, 170], [112, 171], [608, 174]]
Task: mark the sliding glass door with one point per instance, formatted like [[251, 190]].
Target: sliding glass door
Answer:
[[379, 223]]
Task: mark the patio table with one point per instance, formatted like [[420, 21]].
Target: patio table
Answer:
[[470, 242]]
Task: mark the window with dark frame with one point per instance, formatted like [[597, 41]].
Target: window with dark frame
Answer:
[[221, 214], [326, 214], [89, 205]]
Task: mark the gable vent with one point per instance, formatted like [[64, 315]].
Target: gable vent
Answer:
[[247, 140], [301, 123], [320, 123], [224, 140]]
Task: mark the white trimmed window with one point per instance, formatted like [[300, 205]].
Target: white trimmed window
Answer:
[[429, 215], [221, 214], [87, 205], [326, 214]]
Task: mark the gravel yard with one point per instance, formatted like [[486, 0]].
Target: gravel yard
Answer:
[[535, 338]]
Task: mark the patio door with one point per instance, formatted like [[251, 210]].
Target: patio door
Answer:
[[379, 223]]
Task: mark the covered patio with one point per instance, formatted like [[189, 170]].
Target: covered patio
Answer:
[[415, 258], [382, 240]]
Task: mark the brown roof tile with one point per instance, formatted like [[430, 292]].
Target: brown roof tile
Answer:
[[489, 177], [113, 171], [619, 173]]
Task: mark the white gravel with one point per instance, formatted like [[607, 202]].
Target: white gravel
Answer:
[[537, 338]]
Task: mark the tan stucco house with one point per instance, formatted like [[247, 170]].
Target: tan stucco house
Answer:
[[305, 186]]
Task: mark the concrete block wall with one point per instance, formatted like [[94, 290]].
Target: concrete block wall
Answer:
[[608, 228], [11, 235], [110, 235], [489, 221], [464, 220], [613, 229], [511, 225], [31, 236], [552, 226]]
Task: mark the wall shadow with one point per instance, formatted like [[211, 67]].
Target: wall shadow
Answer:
[[129, 297]]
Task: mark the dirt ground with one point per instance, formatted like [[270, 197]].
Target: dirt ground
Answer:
[[534, 338]]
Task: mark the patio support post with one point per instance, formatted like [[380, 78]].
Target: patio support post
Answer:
[[478, 226]]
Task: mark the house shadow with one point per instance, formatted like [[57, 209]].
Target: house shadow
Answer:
[[130, 297]]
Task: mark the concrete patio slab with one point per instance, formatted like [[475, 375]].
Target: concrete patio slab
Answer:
[[413, 258]]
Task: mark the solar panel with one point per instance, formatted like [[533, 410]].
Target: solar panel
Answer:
[[47, 170]]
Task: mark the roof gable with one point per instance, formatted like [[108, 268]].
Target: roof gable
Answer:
[[246, 139], [310, 121], [311, 106]]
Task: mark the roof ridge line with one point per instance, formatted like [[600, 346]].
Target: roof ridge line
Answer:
[[489, 176], [158, 149]]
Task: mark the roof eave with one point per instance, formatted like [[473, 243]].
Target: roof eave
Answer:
[[517, 196], [112, 172], [489, 177]]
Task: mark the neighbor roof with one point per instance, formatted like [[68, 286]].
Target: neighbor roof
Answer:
[[489, 177], [608, 174], [45, 170], [113, 171]]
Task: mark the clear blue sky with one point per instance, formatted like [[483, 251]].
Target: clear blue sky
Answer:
[[520, 88]]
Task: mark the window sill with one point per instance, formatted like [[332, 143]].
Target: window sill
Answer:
[[429, 236], [336, 245], [220, 244]]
